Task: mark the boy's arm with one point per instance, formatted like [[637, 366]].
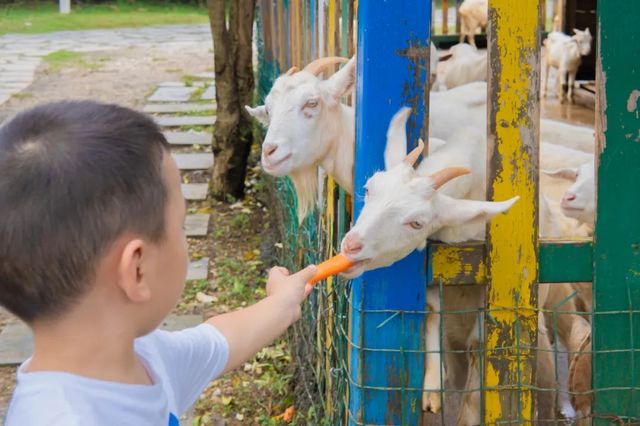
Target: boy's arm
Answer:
[[250, 329]]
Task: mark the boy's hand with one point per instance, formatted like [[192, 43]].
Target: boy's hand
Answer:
[[291, 289]]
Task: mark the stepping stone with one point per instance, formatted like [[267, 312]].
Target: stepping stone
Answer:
[[172, 84], [194, 161], [16, 343], [196, 225], [186, 120], [195, 191], [172, 94], [180, 322], [26, 67], [188, 138], [209, 94], [198, 269], [169, 108], [205, 75], [18, 77]]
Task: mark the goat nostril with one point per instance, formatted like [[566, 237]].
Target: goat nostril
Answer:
[[269, 149], [569, 197]]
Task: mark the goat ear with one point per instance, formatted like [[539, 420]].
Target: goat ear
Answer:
[[259, 113], [587, 31], [396, 150], [342, 82], [569, 173], [435, 144], [455, 212]]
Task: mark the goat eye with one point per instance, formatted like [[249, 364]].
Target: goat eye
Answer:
[[416, 224], [311, 103]]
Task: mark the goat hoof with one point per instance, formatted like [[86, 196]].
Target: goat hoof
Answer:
[[432, 401]]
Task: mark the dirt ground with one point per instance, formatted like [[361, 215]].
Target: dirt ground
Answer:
[[125, 76]]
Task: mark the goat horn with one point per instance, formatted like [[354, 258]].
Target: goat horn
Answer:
[[412, 157], [445, 175], [319, 65], [292, 70]]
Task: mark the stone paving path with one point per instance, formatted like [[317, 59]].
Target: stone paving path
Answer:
[[20, 54]]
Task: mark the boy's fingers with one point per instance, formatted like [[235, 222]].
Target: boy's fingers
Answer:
[[307, 290], [306, 274], [283, 270], [278, 270]]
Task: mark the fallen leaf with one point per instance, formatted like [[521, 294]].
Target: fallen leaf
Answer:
[[226, 400], [240, 417], [288, 414]]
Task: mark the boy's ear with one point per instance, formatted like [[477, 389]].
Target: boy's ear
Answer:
[[131, 274], [455, 212]]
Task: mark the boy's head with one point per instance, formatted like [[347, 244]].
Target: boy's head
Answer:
[[90, 204]]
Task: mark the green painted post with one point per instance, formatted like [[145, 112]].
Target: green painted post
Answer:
[[616, 336]]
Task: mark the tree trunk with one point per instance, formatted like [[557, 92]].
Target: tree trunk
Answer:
[[232, 133]]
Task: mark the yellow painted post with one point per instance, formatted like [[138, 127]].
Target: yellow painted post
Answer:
[[330, 219], [512, 239], [282, 45]]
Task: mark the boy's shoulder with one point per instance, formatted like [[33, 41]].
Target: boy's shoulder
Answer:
[[44, 403], [181, 365]]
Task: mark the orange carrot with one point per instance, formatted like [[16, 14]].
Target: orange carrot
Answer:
[[333, 266]]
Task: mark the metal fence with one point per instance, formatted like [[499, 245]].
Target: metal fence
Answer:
[[361, 347]]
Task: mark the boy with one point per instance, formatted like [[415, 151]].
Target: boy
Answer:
[[93, 256]]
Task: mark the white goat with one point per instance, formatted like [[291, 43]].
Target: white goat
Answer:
[[309, 127], [564, 53], [580, 138], [402, 208], [578, 201], [473, 16], [466, 64]]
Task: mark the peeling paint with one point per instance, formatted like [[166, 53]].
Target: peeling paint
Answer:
[[512, 251], [632, 103]]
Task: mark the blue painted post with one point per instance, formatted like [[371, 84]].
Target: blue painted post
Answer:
[[387, 305], [312, 32]]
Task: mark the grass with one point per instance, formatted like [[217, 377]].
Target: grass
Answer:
[[63, 58], [27, 17]]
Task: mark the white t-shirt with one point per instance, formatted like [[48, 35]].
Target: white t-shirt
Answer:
[[180, 363]]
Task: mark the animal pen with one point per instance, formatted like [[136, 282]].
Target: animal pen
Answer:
[[360, 348]]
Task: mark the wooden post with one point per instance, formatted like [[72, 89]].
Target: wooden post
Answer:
[[65, 6], [387, 320], [616, 323], [445, 17], [512, 239]]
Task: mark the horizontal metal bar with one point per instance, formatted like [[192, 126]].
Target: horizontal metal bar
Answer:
[[462, 264]]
